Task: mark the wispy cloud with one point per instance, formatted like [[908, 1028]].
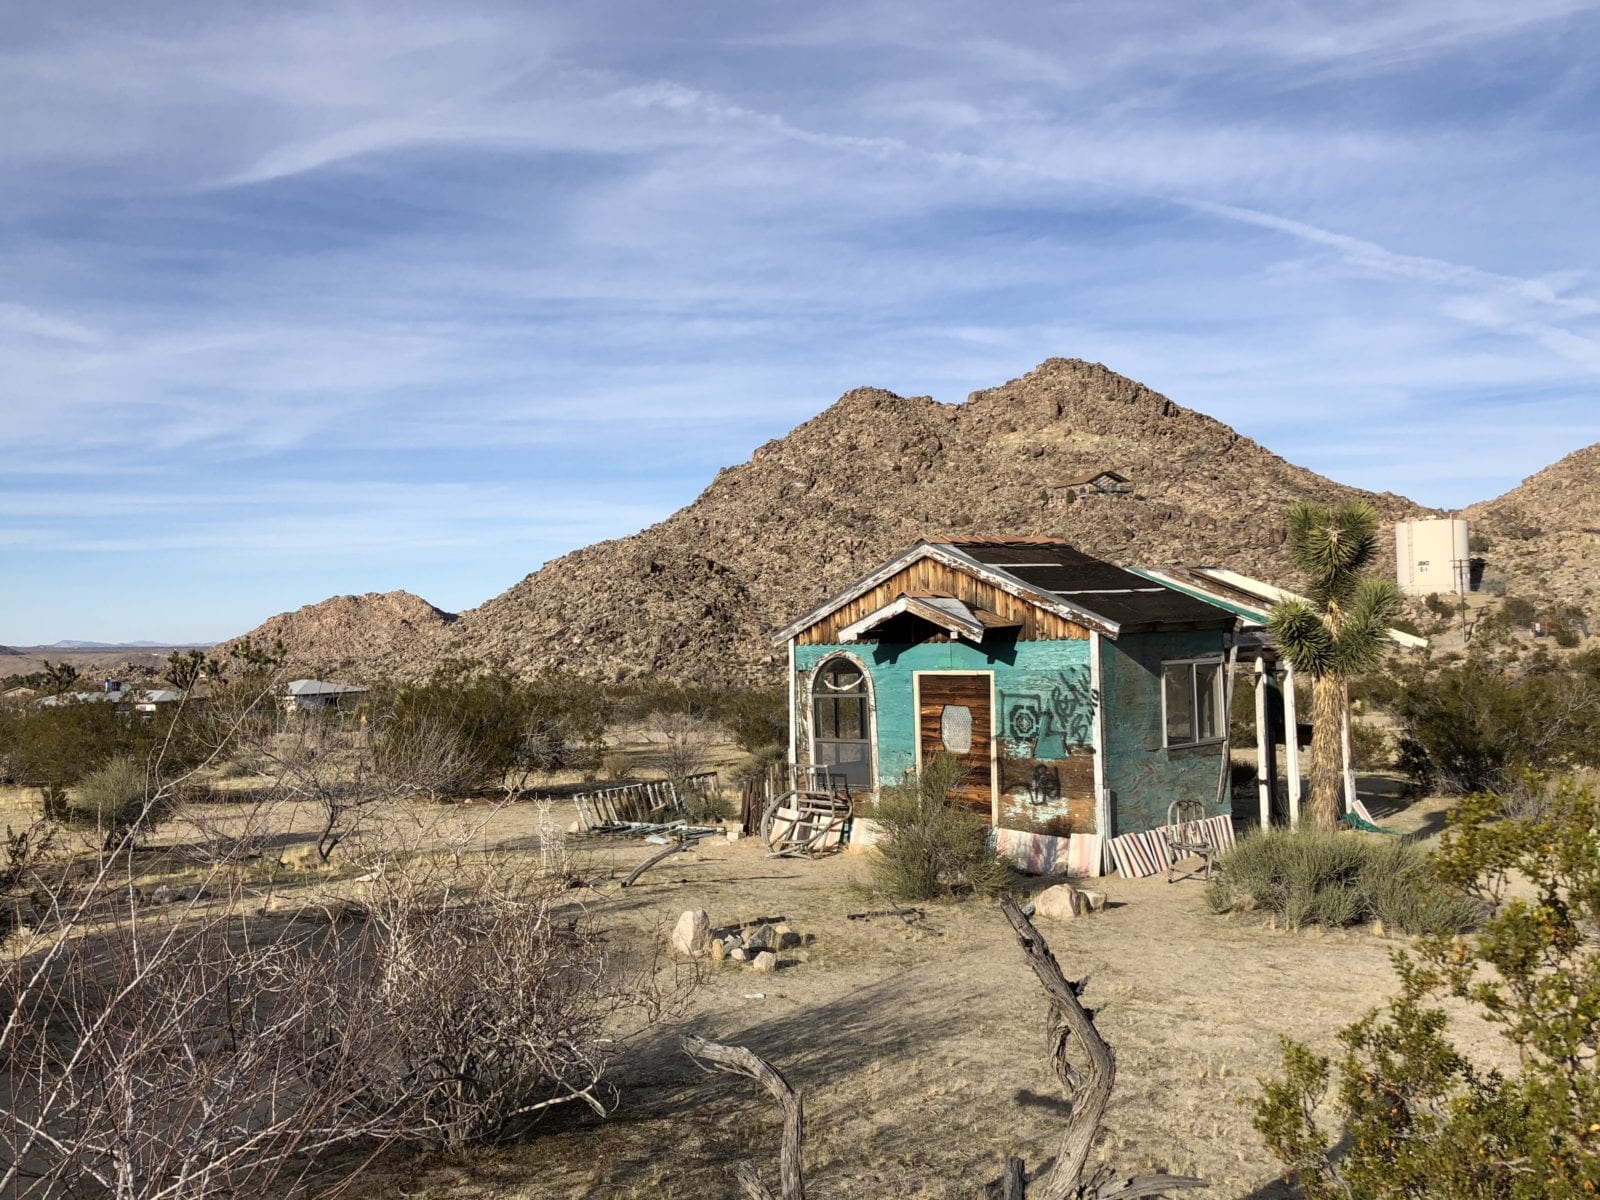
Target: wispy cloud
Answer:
[[460, 287]]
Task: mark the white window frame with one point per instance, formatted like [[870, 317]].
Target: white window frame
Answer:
[[871, 708], [1220, 693]]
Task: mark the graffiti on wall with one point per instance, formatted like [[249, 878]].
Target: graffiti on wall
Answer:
[[1050, 721]]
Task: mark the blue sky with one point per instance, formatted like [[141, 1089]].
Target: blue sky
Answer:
[[300, 300]]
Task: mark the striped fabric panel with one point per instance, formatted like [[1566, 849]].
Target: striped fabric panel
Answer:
[[1141, 855], [1042, 854]]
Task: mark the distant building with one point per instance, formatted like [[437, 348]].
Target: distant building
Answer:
[[1432, 557], [315, 695], [1101, 483]]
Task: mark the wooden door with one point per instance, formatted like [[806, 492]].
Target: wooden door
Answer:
[[956, 715]]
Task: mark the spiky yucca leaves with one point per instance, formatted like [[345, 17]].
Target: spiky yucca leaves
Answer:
[[1336, 632]]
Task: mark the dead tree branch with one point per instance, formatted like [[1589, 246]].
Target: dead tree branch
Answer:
[[1088, 1093], [742, 1061]]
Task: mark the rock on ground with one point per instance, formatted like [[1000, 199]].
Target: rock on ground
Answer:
[[691, 937]]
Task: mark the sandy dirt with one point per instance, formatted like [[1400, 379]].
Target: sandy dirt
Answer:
[[919, 1047]]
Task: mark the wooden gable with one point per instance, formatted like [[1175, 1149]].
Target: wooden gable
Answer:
[[928, 576]]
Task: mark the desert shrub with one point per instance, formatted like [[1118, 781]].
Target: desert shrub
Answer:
[[1518, 610], [1308, 877], [683, 743], [615, 765], [1371, 748], [930, 847], [498, 727], [1419, 1120], [757, 718], [112, 797], [1475, 725], [703, 806]]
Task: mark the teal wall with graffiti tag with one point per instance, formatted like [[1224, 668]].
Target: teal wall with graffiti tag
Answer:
[[1044, 712], [1142, 775], [1044, 715]]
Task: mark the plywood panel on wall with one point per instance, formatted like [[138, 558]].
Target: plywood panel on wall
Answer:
[[928, 576]]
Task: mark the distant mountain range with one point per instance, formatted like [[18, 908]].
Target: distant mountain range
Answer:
[[76, 645], [696, 596]]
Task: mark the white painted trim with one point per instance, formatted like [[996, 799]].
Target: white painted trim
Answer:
[[1263, 784], [872, 707], [935, 614], [1291, 742], [994, 734], [794, 714], [1347, 753], [951, 557], [1102, 794], [1273, 594]]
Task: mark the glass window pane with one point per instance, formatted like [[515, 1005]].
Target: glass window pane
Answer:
[[847, 714], [1179, 684], [1208, 691], [825, 717]]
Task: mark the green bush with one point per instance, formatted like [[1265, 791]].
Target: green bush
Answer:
[[1474, 726], [113, 797], [1336, 879], [929, 847], [1419, 1120]]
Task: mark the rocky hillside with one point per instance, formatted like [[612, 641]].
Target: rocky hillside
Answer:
[[1544, 535], [698, 595], [378, 634]]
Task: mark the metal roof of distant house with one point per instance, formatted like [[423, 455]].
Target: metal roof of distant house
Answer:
[[316, 687], [1114, 475], [1055, 576]]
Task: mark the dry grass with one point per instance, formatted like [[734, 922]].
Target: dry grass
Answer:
[[920, 1048]]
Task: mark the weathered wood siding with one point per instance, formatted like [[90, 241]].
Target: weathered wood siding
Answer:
[[927, 575], [972, 692]]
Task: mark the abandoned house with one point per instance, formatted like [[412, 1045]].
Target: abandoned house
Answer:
[[1101, 483], [1080, 698]]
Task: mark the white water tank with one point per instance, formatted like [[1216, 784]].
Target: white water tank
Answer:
[[1431, 556]]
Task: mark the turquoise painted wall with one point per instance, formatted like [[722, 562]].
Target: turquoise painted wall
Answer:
[[1047, 683], [1044, 711], [1142, 775]]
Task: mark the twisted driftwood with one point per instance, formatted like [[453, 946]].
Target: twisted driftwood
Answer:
[[1088, 1091], [743, 1061]]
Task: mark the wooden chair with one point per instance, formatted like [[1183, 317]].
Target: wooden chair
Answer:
[[1185, 841]]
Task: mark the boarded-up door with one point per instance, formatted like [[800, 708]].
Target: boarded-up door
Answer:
[[955, 715]]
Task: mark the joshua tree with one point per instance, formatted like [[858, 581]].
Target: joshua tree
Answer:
[[1336, 632]]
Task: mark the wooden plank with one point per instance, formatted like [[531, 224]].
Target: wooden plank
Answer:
[[973, 693], [930, 576]]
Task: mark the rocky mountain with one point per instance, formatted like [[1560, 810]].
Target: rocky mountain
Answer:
[[698, 595], [1544, 535], [373, 635]]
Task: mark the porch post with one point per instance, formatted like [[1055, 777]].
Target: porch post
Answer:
[[794, 716], [1348, 754], [1291, 743], [1263, 744]]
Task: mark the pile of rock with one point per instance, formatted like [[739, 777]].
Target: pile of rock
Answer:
[[757, 944]]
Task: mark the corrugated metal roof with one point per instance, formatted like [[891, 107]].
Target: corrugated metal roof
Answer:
[[1128, 600]]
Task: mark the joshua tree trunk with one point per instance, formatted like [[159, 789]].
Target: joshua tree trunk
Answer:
[[1327, 750]]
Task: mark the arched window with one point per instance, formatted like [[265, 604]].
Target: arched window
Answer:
[[841, 722]]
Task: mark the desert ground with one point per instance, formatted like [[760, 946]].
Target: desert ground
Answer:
[[918, 1044]]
